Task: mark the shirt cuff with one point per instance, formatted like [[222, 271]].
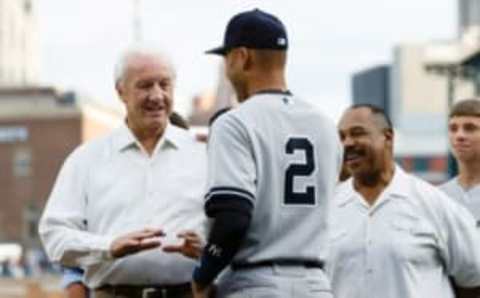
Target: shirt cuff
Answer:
[[100, 253]]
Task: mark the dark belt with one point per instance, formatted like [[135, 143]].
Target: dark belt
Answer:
[[286, 263], [172, 291]]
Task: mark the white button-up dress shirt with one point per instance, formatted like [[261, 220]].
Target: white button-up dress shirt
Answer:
[[404, 246], [110, 187]]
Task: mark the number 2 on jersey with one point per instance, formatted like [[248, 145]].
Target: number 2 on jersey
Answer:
[[299, 169]]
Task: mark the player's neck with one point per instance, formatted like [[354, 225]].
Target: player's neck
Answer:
[[469, 174], [262, 82]]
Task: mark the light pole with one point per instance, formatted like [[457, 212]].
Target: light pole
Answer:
[[137, 22], [451, 72]]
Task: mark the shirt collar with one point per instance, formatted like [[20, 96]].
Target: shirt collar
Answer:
[[273, 91], [125, 138], [397, 188]]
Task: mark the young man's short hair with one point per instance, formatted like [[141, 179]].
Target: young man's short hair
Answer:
[[466, 107]]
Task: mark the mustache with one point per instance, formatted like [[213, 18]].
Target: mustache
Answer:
[[150, 104], [349, 151]]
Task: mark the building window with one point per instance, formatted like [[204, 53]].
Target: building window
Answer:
[[22, 162], [421, 164], [31, 217]]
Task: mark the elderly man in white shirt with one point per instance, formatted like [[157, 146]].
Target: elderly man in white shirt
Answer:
[[128, 207], [393, 235]]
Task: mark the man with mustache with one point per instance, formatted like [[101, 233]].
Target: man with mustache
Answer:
[[127, 193], [395, 235]]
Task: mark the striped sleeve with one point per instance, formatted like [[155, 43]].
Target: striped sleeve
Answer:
[[231, 192], [231, 165]]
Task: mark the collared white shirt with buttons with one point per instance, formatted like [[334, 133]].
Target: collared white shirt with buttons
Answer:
[[404, 246], [470, 197], [110, 187]]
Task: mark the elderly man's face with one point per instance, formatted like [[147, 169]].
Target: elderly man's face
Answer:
[[464, 136], [147, 91], [367, 145]]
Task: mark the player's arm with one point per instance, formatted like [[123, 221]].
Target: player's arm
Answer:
[[232, 217], [230, 200]]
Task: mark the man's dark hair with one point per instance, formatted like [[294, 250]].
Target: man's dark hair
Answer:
[[466, 107], [378, 112]]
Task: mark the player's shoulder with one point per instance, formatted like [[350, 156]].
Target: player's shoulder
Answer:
[[232, 119], [290, 101]]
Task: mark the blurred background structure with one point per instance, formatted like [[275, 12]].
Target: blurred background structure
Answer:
[[19, 44], [39, 127], [417, 88]]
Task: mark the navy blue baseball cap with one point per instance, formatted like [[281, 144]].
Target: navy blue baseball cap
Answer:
[[254, 29]]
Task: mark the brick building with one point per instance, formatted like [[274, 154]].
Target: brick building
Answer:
[[38, 128]]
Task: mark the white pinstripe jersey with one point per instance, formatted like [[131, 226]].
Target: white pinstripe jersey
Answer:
[[284, 156]]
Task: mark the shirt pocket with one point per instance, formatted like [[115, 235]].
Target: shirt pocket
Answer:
[[414, 242]]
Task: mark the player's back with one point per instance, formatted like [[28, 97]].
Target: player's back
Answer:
[[296, 157]]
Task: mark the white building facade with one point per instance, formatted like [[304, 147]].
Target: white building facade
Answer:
[[19, 46]]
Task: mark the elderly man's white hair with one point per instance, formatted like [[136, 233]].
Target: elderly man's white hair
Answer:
[[122, 64]]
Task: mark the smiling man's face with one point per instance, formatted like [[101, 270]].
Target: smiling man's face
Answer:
[[367, 143], [147, 91]]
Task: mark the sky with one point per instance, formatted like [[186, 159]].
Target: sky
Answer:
[[329, 40]]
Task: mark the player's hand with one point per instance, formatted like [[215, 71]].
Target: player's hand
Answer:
[[191, 247], [201, 291], [135, 242]]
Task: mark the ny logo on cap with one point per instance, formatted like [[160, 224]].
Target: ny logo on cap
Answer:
[[281, 41]]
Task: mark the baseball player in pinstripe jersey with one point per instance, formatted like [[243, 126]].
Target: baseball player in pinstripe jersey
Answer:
[[273, 165]]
